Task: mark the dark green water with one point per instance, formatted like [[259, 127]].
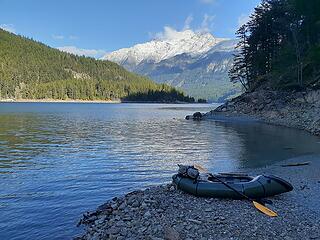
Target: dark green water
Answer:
[[58, 160]]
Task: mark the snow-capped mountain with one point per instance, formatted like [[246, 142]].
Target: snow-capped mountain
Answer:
[[195, 62], [161, 49]]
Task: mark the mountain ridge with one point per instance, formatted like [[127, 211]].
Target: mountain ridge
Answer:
[[196, 62], [163, 48]]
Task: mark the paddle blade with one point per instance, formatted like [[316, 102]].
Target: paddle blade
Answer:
[[264, 209], [200, 168]]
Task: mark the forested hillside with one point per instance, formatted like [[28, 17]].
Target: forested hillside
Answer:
[[32, 70], [279, 47]]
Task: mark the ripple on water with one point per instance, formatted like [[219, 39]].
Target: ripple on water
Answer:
[[59, 160]]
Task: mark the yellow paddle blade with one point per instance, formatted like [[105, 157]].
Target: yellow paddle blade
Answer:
[[200, 168], [264, 209]]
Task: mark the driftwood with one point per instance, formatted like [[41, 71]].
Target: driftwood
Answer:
[[295, 164]]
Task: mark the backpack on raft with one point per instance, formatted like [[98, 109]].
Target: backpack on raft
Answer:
[[188, 171]]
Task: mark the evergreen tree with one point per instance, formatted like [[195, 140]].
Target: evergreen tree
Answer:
[[280, 46]]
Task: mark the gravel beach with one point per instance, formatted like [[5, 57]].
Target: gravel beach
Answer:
[[162, 212]]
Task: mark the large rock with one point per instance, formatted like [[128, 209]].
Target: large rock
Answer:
[[195, 116]]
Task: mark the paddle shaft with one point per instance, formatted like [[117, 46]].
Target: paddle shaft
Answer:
[[232, 188]]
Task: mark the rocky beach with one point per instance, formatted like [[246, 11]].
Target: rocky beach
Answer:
[[297, 109], [162, 212]]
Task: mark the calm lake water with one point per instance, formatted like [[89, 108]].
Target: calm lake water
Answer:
[[58, 160]]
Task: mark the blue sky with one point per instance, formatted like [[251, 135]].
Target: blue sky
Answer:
[[94, 27]]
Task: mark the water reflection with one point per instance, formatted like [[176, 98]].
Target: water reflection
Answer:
[[20, 137], [263, 144], [59, 160]]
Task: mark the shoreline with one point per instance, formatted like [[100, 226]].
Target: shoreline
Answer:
[[162, 212], [83, 101], [56, 101], [300, 110]]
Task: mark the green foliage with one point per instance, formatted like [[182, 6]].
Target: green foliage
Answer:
[[200, 100], [159, 96], [198, 83], [215, 91], [280, 46], [32, 70]]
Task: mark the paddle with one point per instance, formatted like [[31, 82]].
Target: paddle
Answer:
[[257, 205]]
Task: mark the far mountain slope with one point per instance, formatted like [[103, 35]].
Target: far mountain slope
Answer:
[[198, 63]]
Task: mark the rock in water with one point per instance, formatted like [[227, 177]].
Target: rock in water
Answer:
[[197, 115]]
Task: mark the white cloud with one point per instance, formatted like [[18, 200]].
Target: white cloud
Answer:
[[169, 33], [72, 37], [172, 33], [206, 24], [187, 22], [59, 37], [8, 27], [242, 19], [207, 1], [81, 51]]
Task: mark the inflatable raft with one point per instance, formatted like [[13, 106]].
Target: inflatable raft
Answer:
[[253, 187]]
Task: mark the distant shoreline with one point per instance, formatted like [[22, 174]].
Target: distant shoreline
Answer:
[[82, 101], [56, 101]]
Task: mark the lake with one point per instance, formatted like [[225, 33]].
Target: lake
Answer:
[[58, 160]]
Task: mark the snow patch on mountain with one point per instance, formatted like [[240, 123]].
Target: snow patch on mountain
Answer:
[[169, 44]]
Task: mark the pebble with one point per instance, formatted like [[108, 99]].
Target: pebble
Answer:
[[143, 229], [114, 206], [208, 210], [143, 205], [194, 221], [114, 230], [131, 200], [171, 234], [147, 214], [188, 227], [122, 206], [135, 204], [127, 218]]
